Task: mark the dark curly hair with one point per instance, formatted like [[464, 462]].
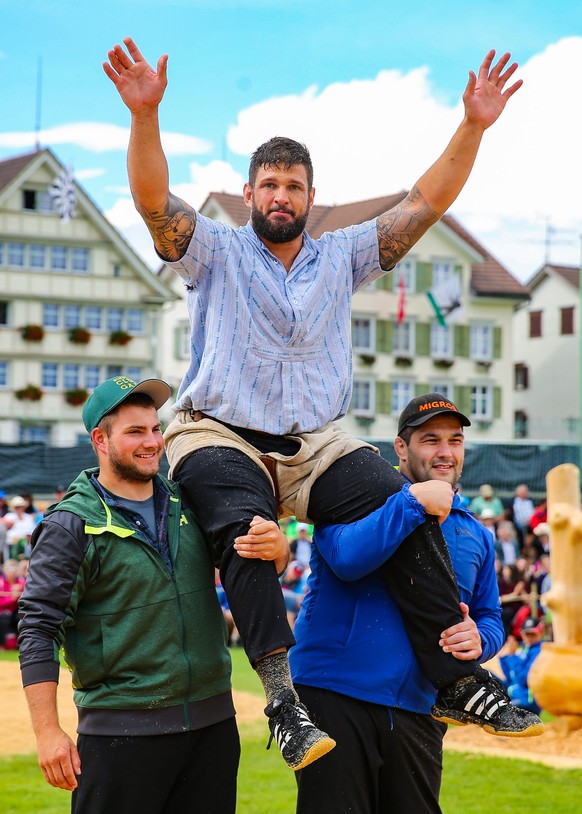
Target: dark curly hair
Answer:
[[281, 151]]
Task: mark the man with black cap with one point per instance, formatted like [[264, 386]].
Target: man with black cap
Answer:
[[354, 665], [121, 576]]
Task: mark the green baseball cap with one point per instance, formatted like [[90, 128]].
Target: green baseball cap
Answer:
[[109, 395]]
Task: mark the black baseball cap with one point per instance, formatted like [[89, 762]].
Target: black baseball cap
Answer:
[[427, 406]]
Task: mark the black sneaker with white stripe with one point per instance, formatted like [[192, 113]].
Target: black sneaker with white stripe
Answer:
[[481, 699], [298, 739]]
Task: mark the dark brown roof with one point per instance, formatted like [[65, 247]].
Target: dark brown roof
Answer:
[[488, 277], [12, 167]]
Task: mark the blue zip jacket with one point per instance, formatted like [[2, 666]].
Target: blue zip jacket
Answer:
[[350, 634]]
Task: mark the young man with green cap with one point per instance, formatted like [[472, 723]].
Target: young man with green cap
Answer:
[[122, 578]]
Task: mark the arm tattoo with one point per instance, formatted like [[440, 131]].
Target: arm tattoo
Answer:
[[401, 227], [171, 227]]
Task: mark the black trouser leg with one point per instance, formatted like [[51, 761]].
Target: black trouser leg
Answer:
[[419, 574], [226, 489], [159, 774], [386, 759]]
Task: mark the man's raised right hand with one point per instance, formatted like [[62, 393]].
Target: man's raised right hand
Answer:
[[140, 87]]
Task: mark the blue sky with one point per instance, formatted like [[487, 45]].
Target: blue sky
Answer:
[[372, 87]]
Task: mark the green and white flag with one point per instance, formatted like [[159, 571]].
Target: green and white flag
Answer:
[[446, 300]]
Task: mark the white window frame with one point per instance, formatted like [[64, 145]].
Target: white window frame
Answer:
[[371, 330], [61, 254], [404, 339], [481, 346], [93, 324], [402, 393], [482, 402], [441, 341], [406, 268], [445, 388], [443, 268], [135, 320], [50, 385], [40, 249], [16, 255], [364, 396], [80, 258], [72, 315]]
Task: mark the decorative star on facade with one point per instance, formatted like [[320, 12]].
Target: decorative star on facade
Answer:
[[62, 191]]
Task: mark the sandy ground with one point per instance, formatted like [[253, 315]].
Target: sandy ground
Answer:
[[17, 736], [555, 747]]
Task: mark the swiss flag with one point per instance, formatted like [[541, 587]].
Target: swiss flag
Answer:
[[401, 299]]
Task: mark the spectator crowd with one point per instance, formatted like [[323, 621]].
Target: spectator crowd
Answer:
[[518, 526]]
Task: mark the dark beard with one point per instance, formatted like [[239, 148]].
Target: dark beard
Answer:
[[127, 471], [274, 232]]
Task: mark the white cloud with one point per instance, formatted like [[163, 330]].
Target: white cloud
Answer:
[[366, 137], [100, 137], [372, 137], [218, 176], [88, 174]]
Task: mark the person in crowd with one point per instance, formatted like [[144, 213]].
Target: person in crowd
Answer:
[[294, 587], [487, 499], [513, 595], [270, 369], [11, 587], [516, 661], [300, 547], [122, 577], [542, 541], [19, 525], [522, 508], [31, 507], [60, 492], [353, 664], [540, 514], [507, 548], [3, 503], [487, 520]]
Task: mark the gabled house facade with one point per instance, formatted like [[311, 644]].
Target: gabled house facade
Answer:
[[468, 358], [547, 357], [77, 304]]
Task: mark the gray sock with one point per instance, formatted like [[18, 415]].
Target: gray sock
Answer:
[[275, 675]]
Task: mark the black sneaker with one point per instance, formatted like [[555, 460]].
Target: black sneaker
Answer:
[[481, 699], [298, 739]]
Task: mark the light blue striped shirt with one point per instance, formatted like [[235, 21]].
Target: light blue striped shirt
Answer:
[[271, 350]]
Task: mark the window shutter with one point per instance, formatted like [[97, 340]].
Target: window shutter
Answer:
[[463, 398], [420, 389], [496, 402], [497, 346], [422, 339], [462, 341], [386, 282], [383, 397], [177, 343], [423, 277], [384, 336]]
